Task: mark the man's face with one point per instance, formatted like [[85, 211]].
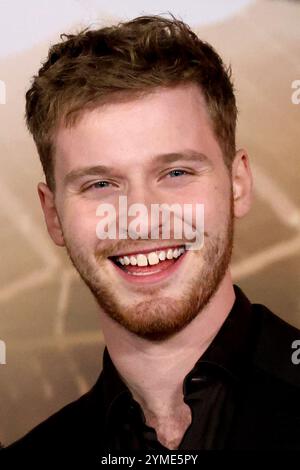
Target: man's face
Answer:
[[129, 139]]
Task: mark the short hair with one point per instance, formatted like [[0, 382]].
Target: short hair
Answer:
[[120, 62]]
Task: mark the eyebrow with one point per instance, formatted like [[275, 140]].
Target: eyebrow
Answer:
[[104, 170], [88, 171], [188, 155]]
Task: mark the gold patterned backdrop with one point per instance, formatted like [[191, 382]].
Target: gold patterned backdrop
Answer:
[[48, 319]]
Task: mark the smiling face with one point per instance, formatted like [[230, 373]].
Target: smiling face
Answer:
[[156, 149]]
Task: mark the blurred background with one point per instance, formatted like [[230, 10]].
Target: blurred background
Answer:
[[48, 318]]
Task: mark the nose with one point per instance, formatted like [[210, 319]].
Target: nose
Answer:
[[139, 215]]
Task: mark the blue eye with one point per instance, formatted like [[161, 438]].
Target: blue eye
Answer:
[[99, 185], [177, 172]]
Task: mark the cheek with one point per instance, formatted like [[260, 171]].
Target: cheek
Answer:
[[216, 202], [79, 225]]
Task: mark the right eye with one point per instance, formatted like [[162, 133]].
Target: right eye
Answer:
[[98, 185]]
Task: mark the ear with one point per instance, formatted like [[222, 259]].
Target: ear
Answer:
[[242, 183], [50, 213]]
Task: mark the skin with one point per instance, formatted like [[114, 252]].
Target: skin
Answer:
[[165, 327]]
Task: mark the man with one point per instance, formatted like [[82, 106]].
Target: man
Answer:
[[146, 110]]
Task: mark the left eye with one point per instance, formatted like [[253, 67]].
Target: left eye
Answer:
[[177, 172], [99, 184]]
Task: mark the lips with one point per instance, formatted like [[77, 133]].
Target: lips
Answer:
[[143, 259], [148, 273], [146, 251]]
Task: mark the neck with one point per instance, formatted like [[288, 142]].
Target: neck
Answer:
[[154, 372]]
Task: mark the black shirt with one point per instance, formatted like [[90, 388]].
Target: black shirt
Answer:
[[244, 393], [209, 389]]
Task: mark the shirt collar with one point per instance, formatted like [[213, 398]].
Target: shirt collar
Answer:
[[231, 349], [228, 354], [112, 384]]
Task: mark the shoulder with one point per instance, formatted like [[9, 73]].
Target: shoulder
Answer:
[[275, 352], [69, 428], [275, 386], [268, 412]]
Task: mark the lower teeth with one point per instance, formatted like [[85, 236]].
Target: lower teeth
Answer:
[[143, 274]]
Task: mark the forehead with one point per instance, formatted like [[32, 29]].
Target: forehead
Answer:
[[163, 121]]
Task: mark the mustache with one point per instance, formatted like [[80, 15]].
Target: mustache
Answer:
[[121, 246], [110, 248]]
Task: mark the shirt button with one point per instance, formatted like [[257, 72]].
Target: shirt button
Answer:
[[199, 379]]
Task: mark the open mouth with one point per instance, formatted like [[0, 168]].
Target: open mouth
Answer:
[[149, 266]]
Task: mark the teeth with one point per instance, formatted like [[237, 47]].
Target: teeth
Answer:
[[126, 260], [133, 260], [142, 260], [151, 258], [145, 274]]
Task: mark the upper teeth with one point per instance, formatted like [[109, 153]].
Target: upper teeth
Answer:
[[143, 259]]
